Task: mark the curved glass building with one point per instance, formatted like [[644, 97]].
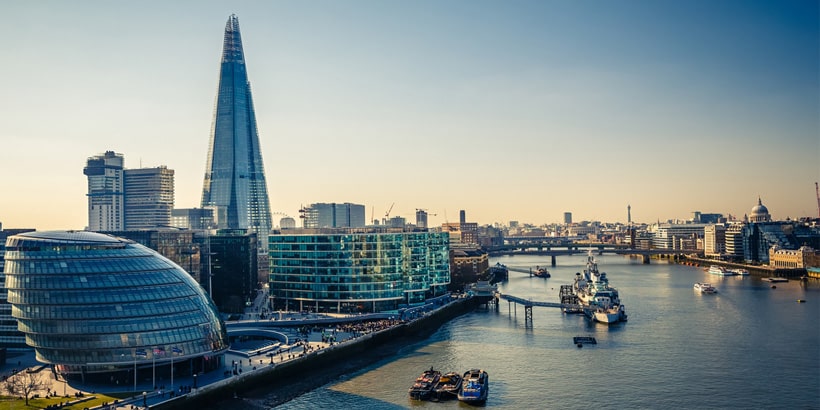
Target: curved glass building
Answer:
[[357, 271], [93, 303]]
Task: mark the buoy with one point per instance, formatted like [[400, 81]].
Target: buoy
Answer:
[[774, 287]]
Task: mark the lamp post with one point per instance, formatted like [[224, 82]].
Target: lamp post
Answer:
[[145, 400]]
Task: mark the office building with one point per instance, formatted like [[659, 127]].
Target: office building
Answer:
[[344, 271], [106, 205], [149, 197], [193, 218], [714, 240], [96, 307], [421, 218], [229, 269], [234, 175], [567, 218], [333, 215]]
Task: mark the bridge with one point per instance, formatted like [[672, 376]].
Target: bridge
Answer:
[[565, 249], [529, 303]]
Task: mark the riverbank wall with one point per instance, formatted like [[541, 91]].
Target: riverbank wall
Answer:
[[756, 270], [324, 360]]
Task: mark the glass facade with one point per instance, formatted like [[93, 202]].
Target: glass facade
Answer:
[[89, 302], [357, 272], [235, 176]]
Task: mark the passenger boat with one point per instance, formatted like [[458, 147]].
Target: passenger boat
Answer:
[[541, 272], [600, 302], [447, 386], [423, 387], [475, 386], [720, 271], [741, 272], [704, 287]]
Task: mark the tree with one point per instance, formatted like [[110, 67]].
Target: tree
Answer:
[[25, 384]]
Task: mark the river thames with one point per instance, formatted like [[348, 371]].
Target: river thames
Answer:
[[748, 346]]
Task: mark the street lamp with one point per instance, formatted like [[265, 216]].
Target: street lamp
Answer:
[[145, 400]]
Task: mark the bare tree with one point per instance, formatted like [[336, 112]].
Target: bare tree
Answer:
[[25, 384]]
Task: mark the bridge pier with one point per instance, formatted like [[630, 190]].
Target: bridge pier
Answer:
[[553, 261], [646, 259], [527, 314]]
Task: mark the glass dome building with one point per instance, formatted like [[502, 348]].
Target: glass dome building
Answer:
[[90, 303]]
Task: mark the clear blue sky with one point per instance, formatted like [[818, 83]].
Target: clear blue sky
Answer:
[[512, 110]]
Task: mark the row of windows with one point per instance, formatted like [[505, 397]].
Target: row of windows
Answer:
[[89, 267], [116, 326], [14, 253], [348, 296], [112, 341], [127, 356], [62, 297], [141, 310], [107, 281]]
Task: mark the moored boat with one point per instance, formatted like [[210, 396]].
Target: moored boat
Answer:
[[704, 287], [541, 272], [599, 301], [423, 387], [741, 272], [720, 271], [475, 386], [447, 386]]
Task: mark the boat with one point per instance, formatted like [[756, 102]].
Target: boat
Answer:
[[720, 271], [475, 386], [740, 272], [447, 386], [704, 287], [422, 389], [541, 272], [599, 301], [775, 279]]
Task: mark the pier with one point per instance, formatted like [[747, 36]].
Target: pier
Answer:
[[529, 303]]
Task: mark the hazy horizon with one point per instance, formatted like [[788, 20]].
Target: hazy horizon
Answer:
[[516, 110]]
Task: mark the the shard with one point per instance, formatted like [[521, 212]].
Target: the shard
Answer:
[[235, 177]]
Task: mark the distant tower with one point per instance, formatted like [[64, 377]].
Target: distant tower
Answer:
[[567, 218], [462, 217], [105, 192], [149, 197], [235, 176], [421, 218], [629, 214]]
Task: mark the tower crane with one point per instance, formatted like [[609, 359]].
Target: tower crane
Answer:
[[387, 214]]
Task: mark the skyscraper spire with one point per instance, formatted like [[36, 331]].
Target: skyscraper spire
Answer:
[[235, 176]]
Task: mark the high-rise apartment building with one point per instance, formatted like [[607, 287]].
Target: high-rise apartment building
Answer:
[[149, 197], [106, 205], [235, 176]]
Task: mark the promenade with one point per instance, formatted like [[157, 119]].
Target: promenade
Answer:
[[305, 334]]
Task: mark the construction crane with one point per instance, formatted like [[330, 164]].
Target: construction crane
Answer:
[[425, 210], [387, 214], [817, 190]]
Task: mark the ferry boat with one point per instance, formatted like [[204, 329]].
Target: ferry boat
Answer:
[[704, 287], [447, 387], [422, 389], [720, 271], [600, 301], [541, 272], [740, 272], [475, 386]]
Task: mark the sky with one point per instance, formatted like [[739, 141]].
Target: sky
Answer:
[[517, 110]]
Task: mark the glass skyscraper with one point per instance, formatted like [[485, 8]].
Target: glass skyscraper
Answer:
[[235, 177]]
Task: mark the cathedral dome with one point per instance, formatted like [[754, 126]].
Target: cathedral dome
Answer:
[[760, 213]]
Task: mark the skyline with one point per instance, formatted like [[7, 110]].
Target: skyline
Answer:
[[514, 111]]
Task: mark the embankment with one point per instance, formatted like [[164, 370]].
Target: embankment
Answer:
[[273, 385]]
